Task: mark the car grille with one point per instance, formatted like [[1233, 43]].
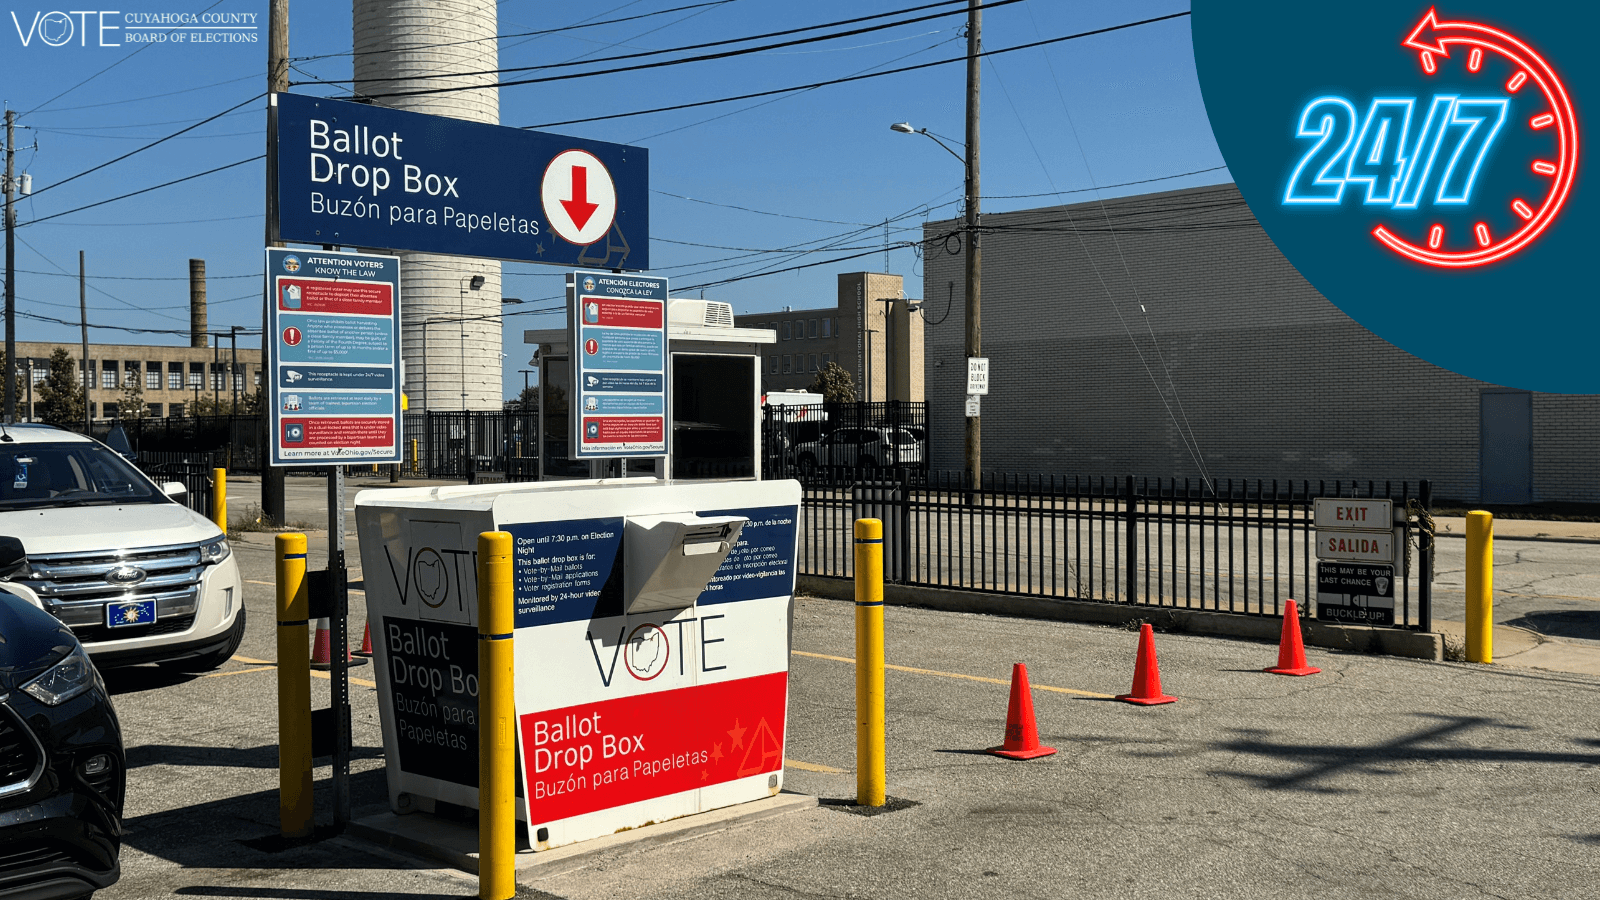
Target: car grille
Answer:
[[18, 856], [74, 587], [20, 761]]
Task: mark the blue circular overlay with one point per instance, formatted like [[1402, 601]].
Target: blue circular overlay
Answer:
[[1424, 167]]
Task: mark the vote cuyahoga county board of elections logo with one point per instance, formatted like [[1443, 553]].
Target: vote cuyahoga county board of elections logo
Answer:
[[1420, 166]]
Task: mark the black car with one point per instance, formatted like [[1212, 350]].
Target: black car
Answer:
[[61, 761]]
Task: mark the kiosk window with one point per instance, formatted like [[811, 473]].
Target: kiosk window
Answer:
[[714, 414]]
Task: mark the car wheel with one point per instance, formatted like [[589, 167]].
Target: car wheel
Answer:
[[216, 658]]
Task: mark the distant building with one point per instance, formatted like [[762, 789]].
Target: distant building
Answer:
[[1166, 335], [172, 378], [870, 332]]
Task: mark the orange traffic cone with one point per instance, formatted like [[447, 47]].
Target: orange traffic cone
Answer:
[[1291, 652], [1022, 733], [1147, 673], [366, 641], [322, 652]]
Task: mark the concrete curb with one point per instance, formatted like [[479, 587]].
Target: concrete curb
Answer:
[[1548, 539], [1352, 638], [456, 843]]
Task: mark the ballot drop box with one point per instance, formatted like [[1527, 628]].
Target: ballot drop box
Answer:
[[651, 645]]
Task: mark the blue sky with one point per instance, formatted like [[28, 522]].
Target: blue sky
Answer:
[[819, 170]]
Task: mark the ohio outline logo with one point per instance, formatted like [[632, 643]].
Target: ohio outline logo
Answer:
[[1387, 159]]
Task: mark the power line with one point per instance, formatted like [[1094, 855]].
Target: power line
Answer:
[[134, 277], [817, 84], [498, 37], [683, 49], [138, 150], [119, 62], [143, 190], [147, 97]]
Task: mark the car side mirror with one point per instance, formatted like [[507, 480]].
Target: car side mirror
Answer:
[[13, 558], [173, 488]]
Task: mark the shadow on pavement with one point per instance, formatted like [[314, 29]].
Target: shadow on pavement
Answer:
[[263, 757], [132, 679], [234, 833], [1328, 761], [267, 893], [1567, 623]]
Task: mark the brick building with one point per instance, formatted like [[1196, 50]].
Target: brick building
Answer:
[[871, 331], [171, 378], [1207, 352]]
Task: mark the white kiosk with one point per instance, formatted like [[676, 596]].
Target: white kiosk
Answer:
[[651, 640]]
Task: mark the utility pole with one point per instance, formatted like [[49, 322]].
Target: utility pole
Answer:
[[272, 497], [11, 267], [974, 289], [233, 367], [83, 335]]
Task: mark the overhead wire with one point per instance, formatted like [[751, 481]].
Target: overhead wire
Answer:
[[830, 82], [142, 191]]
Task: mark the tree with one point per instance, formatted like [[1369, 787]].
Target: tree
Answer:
[[60, 395], [834, 384], [130, 405], [22, 382], [526, 401]]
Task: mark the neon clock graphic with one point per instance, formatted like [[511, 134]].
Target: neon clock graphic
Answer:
[[1383, 160]]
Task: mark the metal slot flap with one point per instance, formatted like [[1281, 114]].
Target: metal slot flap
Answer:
[[669, 560]]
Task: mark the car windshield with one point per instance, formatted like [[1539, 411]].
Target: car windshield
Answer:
[[902, 438], [38, 476]]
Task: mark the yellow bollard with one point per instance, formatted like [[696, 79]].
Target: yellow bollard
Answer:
[[219, 498], [414, 455], [497, 764], [1480, 587], [295, 812], [871, 778]]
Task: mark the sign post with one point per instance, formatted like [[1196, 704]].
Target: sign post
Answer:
[[332, 349], [618, 328], [1355, 560]]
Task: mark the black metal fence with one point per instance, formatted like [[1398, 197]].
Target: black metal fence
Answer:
[[834, 438], [193, 470], [464, 444], [1238, 546]]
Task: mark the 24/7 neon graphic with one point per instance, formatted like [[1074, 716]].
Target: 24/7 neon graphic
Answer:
[[1386, 159]]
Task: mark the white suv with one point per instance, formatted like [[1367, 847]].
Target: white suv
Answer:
[[137, 576]]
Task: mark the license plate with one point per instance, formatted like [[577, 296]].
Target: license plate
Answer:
[[130, 612]]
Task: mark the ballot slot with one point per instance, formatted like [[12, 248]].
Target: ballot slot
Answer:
[[669, 560]]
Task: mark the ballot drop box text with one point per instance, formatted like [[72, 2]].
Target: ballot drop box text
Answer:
[[651, 644]]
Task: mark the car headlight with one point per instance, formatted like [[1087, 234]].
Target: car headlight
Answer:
[[215, 552], [66, 679]]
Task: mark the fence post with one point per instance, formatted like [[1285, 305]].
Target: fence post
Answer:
[[497, 812], [1425, 555], [1132, 591], [295, 809]]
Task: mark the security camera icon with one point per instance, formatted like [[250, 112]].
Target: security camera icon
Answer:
[[292, 376], [591, 381]]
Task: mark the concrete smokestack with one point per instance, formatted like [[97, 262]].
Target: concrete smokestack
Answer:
[[197, 303], [450, 333]]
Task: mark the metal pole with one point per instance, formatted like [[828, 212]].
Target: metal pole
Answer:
[[974, 292], [233, 367], [339, 639], [1425, 556], [83, 334], [216, 365], [497, 763], [272, 496], [871, 774], [295, 808], [1480, 587], [11, 266]]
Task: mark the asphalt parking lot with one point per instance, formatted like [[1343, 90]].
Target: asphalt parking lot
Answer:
[[1380, 777]]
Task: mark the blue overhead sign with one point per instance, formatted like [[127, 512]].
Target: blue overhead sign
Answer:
[[359, 175]]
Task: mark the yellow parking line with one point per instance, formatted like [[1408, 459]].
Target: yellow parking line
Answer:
[[811, 767], [315, 673], [240, 672], [916, 671]]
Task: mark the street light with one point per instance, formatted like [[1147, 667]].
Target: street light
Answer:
[[974, 255], [476, 282]]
